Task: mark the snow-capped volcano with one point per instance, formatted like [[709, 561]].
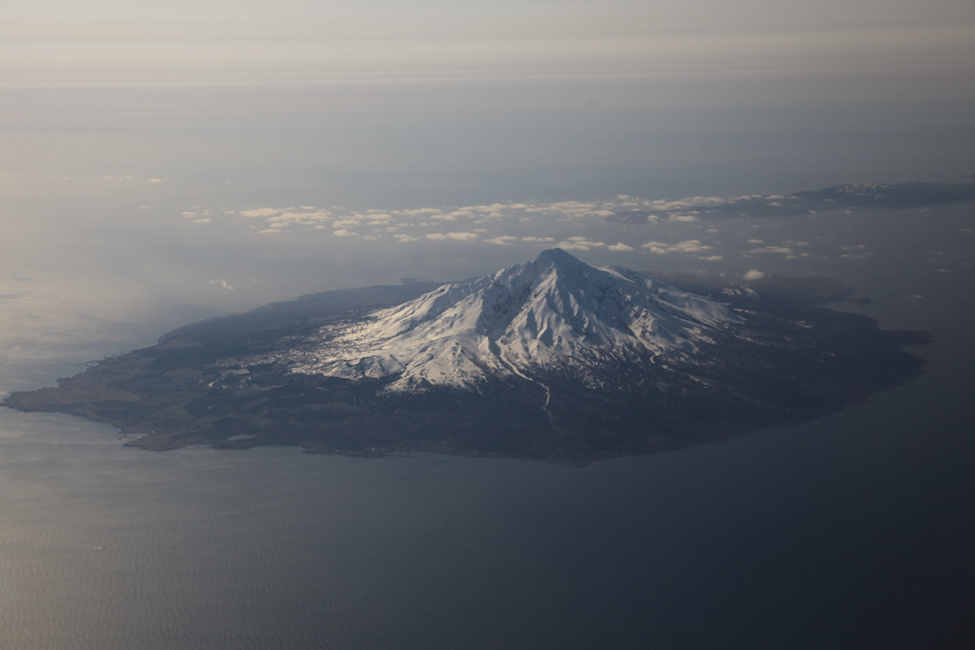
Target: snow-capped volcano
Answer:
[[551, 360], [553, 314]]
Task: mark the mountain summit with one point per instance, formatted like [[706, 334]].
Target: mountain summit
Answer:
[[556, 313]]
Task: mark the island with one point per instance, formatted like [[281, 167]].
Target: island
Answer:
[[553, 360]]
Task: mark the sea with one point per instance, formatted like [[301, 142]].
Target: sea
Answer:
[[856, 530]]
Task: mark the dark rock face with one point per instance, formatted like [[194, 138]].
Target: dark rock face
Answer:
[[785, 360]]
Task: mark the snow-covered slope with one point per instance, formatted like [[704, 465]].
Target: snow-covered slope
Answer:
[[553, 314]]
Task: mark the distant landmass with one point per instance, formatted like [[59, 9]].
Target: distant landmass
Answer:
[[553, 360], [852, 196]]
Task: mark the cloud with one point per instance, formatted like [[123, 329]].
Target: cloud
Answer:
[[538, 240], [686, 203], [686, 246], [156, 180], [223, 284], [711, 258], [620, 247], [575, 209], [504, 240], [773, 250], [457, 236], [754, 274], [419, 212], [260, 212], [580, 244], [344, 233]]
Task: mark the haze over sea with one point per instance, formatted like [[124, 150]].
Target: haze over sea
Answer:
[[164, 163]]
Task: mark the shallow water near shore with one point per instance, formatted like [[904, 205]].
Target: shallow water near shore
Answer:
[[852, 531]]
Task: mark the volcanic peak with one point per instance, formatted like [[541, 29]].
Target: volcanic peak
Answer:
[[554, 313]]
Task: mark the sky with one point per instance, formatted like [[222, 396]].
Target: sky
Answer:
[[240, 42], [163, 162]]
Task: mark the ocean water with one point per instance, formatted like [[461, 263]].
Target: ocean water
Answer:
[[854, 531]]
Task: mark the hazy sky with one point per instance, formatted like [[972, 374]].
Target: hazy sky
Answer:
[[137, 137], [133, 42]]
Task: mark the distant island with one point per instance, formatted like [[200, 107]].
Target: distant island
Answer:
[[552, 360], [849, 197]]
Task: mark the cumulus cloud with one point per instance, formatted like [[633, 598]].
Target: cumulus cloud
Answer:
[[754, 274], [686, 246], [574, 209], [260, 212], [687, 203], [580, 244], [442, 221], [504, 240], [563, 219], [223, 284], [457, 236], [419, 212], [156, 180]]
